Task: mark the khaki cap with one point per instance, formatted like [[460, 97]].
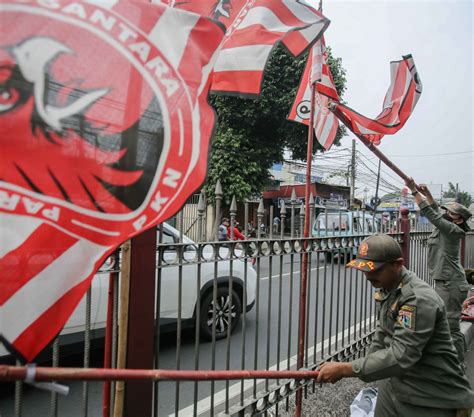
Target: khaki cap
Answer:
[[374, 252], [458, 209]]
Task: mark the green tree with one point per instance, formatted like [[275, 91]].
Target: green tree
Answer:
[[463, 198], [252, 135]]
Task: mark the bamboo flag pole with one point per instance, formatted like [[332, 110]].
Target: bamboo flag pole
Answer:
[[123, 326]]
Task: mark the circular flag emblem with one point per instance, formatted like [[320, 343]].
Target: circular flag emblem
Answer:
[[99, 130]]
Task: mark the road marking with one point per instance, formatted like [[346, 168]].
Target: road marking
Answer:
[[289, 273], [203, 406]]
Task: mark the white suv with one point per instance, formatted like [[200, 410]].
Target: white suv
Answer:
[[73, 331]]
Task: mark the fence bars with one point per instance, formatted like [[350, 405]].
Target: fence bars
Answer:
[[258, 277]]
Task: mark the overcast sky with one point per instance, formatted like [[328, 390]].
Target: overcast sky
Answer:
[[367, 35]]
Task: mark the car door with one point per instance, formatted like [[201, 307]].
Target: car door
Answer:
[[170, 278]]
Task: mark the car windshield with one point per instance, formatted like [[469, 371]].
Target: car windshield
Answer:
[[332, 221]]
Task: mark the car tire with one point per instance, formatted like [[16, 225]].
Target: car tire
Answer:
[[222, 313]]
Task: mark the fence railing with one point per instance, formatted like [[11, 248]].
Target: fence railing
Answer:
[[230, 305]]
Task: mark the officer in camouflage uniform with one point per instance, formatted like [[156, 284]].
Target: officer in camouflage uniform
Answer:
[[412, 351], [444, 262]]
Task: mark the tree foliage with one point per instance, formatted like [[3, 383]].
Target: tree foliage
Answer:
[[463, 197], [252, 135]]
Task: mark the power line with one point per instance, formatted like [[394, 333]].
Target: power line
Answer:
[[429, 155]]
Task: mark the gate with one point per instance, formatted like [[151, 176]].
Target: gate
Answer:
[[223, 306]]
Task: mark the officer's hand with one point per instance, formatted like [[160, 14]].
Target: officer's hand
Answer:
[[334, 371], [423, 188], [410, 183]]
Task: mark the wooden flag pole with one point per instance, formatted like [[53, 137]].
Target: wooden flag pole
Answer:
[[372, 147], [123, 326], [304, 268]]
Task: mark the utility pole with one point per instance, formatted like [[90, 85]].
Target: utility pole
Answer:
[[376, 200], [353, 171], [456, 197]]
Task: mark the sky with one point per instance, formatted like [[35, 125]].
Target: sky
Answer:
[[367, 35]]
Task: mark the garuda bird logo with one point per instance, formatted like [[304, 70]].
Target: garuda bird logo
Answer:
[[74, 137]]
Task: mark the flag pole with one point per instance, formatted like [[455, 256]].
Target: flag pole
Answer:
[[304, 269], [375, 150]]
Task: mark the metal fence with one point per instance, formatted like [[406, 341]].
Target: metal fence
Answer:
[[227, 305]]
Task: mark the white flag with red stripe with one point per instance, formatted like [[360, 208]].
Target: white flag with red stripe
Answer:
[[400, 100], [317, 71], [253, 28], [98, 143]]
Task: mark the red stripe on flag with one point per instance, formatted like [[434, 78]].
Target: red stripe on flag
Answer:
[[295, 42], [35, 338], [26, 261], [246, 82]]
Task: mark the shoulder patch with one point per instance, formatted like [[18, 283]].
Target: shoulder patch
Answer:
[[406, 316]]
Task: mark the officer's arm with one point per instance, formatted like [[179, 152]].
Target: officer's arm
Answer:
[[376, 343], [437, 219], [413, 328], [423, 188]]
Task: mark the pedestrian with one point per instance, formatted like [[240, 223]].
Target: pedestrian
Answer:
[[444, 261], [237, 234], [276, 224], [222, 231], [412, 354]]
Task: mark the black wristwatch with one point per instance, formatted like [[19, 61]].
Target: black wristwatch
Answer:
[[415, 192]]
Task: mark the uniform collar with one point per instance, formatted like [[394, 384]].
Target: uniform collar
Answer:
[[405, 278]]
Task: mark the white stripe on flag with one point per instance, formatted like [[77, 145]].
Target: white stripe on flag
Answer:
[[301, 11], [265, 17], [170, 41], [31, 300], [18, 230], [243, 58], [106, 4], [312, 31], [327, 126], [393, 74]]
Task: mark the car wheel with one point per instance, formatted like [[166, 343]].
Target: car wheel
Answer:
[[221, 314]]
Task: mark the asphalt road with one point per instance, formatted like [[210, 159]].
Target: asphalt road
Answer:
[[267, 337]]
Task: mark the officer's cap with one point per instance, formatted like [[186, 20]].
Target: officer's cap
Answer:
[[458, 209], [374, 252]]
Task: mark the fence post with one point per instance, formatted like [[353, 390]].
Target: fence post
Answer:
[[201, 208], [218, 194], [463, 252], [405, 230], [140, 349]]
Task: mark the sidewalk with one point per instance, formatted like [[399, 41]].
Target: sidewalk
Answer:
[[333, 400]]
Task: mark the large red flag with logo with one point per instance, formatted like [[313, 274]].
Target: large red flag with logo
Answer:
[[317, 71], [104, 132], [253, 29]]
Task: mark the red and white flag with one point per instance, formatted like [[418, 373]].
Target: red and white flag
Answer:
[[317, 71], [98, 143], [401, 98], [253, 28]]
